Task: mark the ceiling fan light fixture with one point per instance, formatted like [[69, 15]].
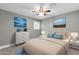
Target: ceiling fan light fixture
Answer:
[[43, 10], [41, 14]]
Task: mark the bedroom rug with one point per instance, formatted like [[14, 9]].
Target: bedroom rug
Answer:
[[20, 51]]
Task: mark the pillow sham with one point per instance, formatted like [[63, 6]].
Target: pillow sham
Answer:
[[64, 34], [50, 35], [58, 36]]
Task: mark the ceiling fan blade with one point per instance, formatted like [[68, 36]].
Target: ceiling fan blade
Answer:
[[33, 11], [47, 11], [44, 14], [37, 14]]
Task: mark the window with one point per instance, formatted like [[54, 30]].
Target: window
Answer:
[[36, 25]]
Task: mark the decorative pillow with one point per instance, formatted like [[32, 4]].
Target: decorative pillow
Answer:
[[64, 34], [58, 36], [50, 35]]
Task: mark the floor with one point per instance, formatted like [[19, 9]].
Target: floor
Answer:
[[12, 51], [73, 51]]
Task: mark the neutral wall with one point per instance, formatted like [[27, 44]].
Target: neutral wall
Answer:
[[7, 29], [72, 23]]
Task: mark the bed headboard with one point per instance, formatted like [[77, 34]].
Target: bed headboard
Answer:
[[66, 34]]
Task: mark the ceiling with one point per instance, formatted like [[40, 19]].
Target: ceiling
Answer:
[[27, 8]]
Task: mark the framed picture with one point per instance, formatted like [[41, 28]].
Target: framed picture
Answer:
[[60, 23], [20, 22]]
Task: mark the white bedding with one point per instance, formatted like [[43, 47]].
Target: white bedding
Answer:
[[45, 47]]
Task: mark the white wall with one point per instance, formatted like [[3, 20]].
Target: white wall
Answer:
[[7, 29], [72, 23]]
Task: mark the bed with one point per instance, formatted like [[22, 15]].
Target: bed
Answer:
[[47, 46]]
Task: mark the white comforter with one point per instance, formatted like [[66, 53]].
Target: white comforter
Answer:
[[45, 47]]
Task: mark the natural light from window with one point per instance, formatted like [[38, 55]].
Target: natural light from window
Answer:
[[36, 25]]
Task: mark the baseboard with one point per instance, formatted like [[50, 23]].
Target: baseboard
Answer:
[[5, 46]]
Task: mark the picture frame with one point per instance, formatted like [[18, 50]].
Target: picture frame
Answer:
[[59, 23]]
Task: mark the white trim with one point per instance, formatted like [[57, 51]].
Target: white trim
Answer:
[[5, 46]]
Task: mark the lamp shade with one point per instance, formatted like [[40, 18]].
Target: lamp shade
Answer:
[[41, 14], [43, 32], [74, 34]]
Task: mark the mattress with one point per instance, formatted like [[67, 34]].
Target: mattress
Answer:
[[44, 47]]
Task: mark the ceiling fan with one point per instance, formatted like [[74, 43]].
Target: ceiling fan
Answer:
[[43, 11]]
